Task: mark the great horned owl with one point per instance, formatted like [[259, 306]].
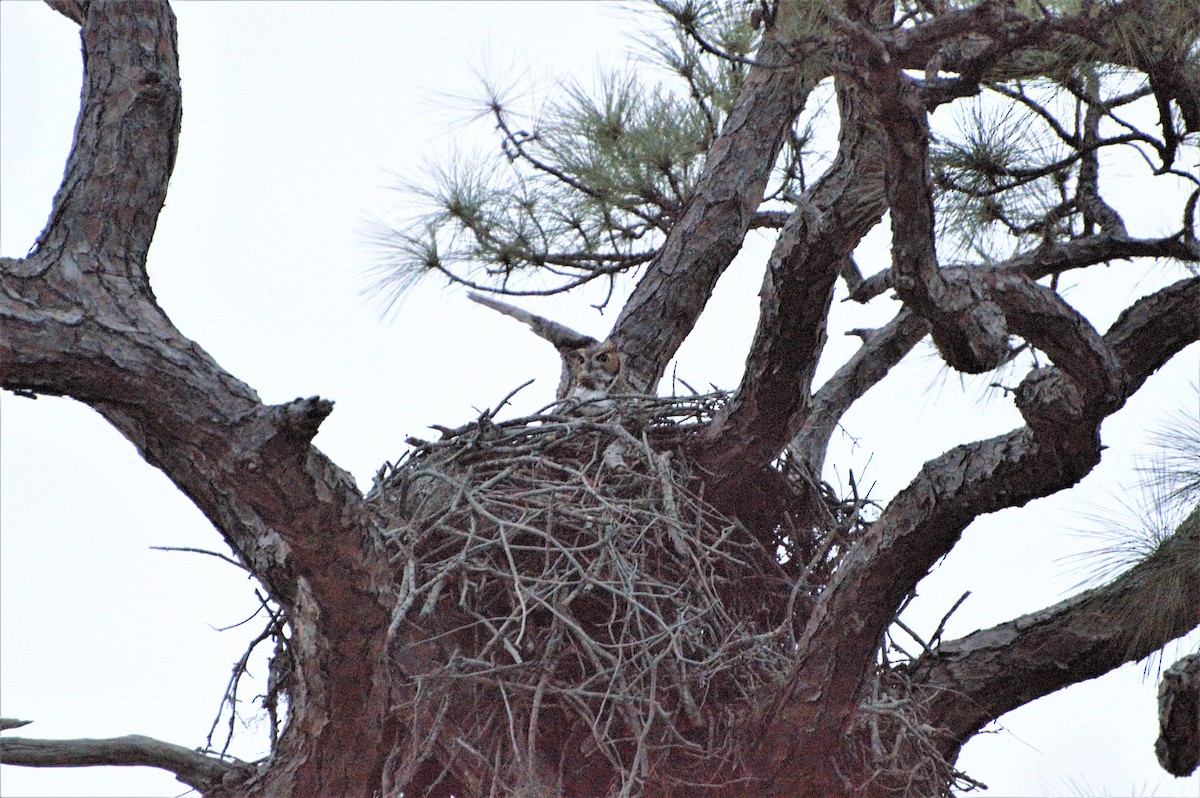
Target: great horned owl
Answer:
[[596, 372]]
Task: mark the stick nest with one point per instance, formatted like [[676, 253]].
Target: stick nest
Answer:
[[565, 588]]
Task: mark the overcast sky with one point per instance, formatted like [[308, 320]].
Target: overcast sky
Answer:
[[298, 118]]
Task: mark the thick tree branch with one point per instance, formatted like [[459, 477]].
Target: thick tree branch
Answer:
[[969, 329], [116, 176], [976, 679], [670, 296], [773, 399], [77, 318], [204, 773], [924, 521], [972, 312], [1000, 37]]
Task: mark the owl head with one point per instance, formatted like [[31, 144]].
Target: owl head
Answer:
[[594, 374], [595, 368]]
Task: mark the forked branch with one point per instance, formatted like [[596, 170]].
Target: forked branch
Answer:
[[924, 521], [773, 400]]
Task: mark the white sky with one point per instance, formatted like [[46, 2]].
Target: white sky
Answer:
[[296, 116]]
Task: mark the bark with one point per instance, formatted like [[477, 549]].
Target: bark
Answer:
[[1178, 744], [1061, 444], [978, 678], [774, 397], [670, 296]]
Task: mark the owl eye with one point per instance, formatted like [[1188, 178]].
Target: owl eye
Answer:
[[604, 357]]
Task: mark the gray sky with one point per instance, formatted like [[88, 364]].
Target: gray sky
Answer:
[[297, 117]]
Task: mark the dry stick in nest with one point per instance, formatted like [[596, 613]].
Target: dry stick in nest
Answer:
[[658, 607]]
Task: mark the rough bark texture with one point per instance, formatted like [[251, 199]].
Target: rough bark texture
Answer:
[[1178, 744], [78, 319], [772, 403], [671, 295]]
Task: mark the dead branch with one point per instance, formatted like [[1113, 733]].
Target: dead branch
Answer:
[[197, 770], [560, 336]]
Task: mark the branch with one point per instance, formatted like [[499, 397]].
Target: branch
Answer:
[[881, 350], [773, 399], [1150, 331], [78, 318], [560, 336], [1013, 46], [978, 678], [924, 521], [969, 330], [191, 767], [1055, 257], [667, 301]]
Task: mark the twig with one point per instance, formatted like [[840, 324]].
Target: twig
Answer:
[[216, 554]]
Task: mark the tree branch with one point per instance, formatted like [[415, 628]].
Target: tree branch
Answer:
[[191, 767], [773, 399], [976, 679], [1055, 257], [677, 284], [881, 350], [560, 336], [924, 521], [78, 318]]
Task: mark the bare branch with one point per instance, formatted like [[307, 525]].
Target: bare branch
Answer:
[[78, 318], [560, 336], [1095, 210], [924, 521], [190, 767], [881, 350], [1055, 257], [193, 550]]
